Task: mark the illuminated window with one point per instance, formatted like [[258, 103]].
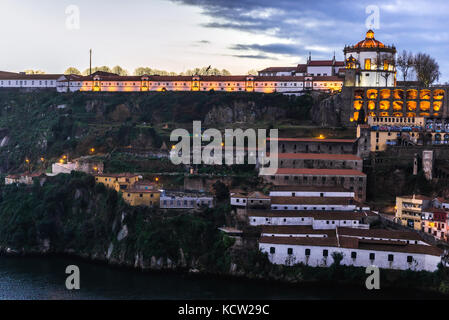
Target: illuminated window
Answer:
[[368, 64]]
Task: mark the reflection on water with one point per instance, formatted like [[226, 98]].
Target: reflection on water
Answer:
[[44, 278]]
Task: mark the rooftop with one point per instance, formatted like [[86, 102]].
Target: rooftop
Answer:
[[316, 140], [308, 189], [318, 215], [355, 243], [312, 200], [318, 156], [320, 172]]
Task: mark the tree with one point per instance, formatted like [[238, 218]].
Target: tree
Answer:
[[95, 69], [382, 61], [72, 70], [34, 71], [405, 62], [120, 71], [221, 191], [426, 68], [206, 71], [253, 72]]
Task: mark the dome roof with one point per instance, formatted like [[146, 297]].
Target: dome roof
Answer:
[[369, 41]]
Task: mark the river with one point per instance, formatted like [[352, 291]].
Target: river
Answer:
[[40, 278]]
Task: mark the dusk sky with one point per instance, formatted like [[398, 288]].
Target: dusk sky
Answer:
[[176, 35]]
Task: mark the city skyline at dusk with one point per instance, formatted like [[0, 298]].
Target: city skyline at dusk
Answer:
[[181, 35]]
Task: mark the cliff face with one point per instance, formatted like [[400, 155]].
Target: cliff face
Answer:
[[334, 110], [240, 112]]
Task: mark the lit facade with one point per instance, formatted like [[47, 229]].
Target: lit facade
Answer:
[[370, 63]]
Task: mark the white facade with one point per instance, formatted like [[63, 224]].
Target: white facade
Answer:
[[317, 258], [314, 207], [175, 200], [303, 220], [325, 194]]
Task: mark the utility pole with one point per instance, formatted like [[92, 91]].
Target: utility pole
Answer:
[[90, 61]]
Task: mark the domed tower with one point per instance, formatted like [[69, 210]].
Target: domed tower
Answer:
[[370, 63]]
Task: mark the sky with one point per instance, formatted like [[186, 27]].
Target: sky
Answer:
[[237, 35]]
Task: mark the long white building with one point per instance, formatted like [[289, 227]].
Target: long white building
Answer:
[[359, 248]]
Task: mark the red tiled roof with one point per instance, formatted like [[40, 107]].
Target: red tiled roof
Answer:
[[320, 172], [316, 140], [379, 233], [117, 175], [278, 69], [318, 156], [296, 230], [318, 215], [257, 195], [311, 200], [301, 188], [19, 76], [354, 243]]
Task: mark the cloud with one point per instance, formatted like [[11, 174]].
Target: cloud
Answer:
[[276, 48], [326, 26], [254, 56]]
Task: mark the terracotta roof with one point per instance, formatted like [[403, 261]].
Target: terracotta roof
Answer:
[[301, 188], [257, 195], [318, 215], [19, 76], [320, 172], [324, 63], [134, 190], [379, 233], [354, 243], [417, 197], [117, 175], [316, 140], [311, 200], [278, 69], [370, 41], [315, 241], [296, 230], [318, 156]]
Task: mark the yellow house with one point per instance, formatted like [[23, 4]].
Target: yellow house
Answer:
[[117, 181], [138, 197], [409, 210]]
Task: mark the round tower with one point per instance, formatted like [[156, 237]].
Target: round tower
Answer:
[[370, 63]]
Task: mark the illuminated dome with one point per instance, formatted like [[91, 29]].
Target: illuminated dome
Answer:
[[369, 41]]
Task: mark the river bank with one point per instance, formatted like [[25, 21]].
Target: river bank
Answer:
[[34, 277]]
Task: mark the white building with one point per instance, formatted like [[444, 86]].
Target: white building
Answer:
[[185, 200], [357, 249], [29, 81], [370, 63], [316, 219], [304, 191], [313, 203]]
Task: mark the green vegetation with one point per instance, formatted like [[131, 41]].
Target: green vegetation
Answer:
[[48, 124]]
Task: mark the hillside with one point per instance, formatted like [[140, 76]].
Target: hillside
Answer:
[[70, 214], [48, 125]]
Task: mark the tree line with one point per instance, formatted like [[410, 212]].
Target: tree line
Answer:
[[418, 67], [150, 71]]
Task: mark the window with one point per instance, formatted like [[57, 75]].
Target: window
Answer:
[[409, 259], [353, 254], [325, 253], [272, 250], [372, 256], [290, 251], [390, 257], [307, 252], [368, 64]]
